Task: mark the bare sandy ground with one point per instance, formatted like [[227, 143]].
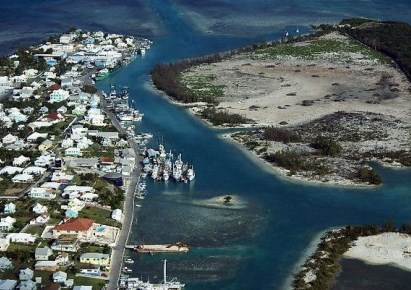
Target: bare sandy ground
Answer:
[[386, 248], [272, 91]]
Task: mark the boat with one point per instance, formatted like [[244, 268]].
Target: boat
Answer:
[[190, 173], [103, 73], [297, 30], [129, 261], [127, 270], [286, 33]]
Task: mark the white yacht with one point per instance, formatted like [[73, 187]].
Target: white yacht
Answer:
[[190, 173]]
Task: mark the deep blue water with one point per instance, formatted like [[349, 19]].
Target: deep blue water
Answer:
[[259, 245]]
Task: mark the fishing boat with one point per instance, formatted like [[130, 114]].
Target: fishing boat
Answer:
[[190, 173]]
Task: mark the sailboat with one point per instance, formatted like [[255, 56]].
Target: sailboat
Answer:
[[297, 30]]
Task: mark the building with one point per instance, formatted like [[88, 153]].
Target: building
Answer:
[[27, 285], [61, 177], [81, 227], [41, 219], [66, 243], [72, 151], [11, 170], [89, 269], [23, 238], [5, 264], [34, 136], [39, 209], [9, 138], [46, 144], [95, 259], [42, 254], [42, 193], [9, 208], [4, 244], [62, 259], [59, 277], [117, 215], [36, 170], [8, 284], [23, 178], [18, 161], [6, 224], [59, 96], [26, 274], [46, 266]]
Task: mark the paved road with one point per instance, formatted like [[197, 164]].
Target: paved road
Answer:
[[118, 250]]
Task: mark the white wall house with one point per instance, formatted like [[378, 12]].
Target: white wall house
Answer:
[[9, 138], [72, 151], [117, 215], [11, 170], [42, 193], [23, 178], [18, 161], [67, 143], [6, 224], [58, 96], [34, 170], [21, 238], [39, 209], [9, 208]]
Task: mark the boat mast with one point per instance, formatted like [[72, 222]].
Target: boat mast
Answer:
[[165, 271]]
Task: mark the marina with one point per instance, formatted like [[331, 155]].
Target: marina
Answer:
[[128, 283]]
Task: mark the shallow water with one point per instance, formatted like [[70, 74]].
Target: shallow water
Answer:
[[255, 247]]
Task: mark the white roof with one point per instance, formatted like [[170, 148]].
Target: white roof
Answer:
[[53, 185]]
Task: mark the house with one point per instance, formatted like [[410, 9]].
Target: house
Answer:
[[84, 143], [21, 238], [89, 269], [18, 161], [39, 209], [58, 96], [53, 117], [34, 170], [46, 144], [62, 110], [42, 193], [27, 285], [61, 177], [9, 138], [34, 136], [89, 196], [9, 208], [72, 151], [117, 215], [43, 110], [71, 213], [67, 143], [5, 264], [95, 259], [97, 120], [50, 266], [4, 244], [26, 274], [8, 284], [62, 259], [66, 243], [42, 254], [6, 224], [59, 277], [44, 160], [67, 82], [76, 203], [22, 178], [11, 170], [41, 219], [83, 162], [78, 188], [80, 227], [51, 185]]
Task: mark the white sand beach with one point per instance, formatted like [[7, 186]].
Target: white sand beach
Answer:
[[386, 248]]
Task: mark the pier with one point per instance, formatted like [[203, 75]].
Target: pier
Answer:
[[160, 248]]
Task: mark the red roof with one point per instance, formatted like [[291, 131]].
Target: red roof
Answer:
[[54, 87], [80, 224], [53, 116]]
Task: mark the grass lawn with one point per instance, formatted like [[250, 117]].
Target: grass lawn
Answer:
[[202, 89], [85, 281], [99, 216], [21, 247], [34, 230]]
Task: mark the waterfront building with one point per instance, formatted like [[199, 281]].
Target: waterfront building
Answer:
[[95, 259]]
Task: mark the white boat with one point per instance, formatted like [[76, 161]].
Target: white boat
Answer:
[[127, 270], [129, 261], [166, 175], [190, 173], [154, 174]]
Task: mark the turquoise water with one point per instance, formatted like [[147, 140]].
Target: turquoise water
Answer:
[[253, 247]]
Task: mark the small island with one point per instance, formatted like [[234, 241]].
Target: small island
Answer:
[[322, 105]]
